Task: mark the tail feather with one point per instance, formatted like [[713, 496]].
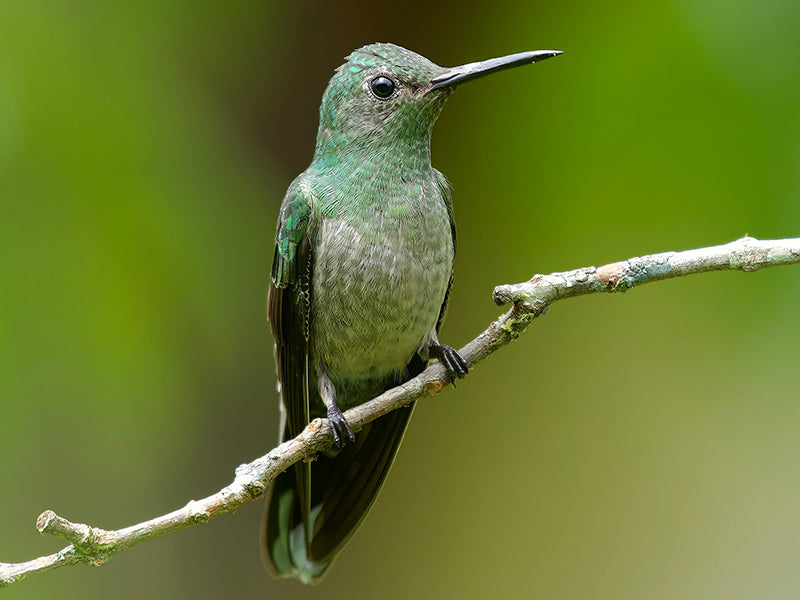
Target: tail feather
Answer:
[[283, 533], [343, 488]]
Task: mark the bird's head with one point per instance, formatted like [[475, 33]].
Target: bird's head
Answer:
[[386, 99]]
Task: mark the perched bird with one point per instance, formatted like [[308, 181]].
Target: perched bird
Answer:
[[360, 280]]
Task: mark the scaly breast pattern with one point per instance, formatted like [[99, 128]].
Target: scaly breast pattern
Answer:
[[379, 281]]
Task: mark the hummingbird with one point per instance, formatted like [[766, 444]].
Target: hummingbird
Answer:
[[360, 281]]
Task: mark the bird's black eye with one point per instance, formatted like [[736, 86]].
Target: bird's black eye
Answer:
[[382, 86]]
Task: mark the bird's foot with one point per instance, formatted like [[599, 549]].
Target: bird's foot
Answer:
[[341, 430], [455, 364]]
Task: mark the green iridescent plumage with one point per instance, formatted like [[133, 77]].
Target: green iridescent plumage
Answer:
[[292, 225]]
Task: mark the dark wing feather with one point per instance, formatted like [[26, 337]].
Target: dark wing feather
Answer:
[[288, 304], [288, 312], [444, 188]]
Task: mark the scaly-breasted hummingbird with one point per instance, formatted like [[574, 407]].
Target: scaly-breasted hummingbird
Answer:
[[360, 280]]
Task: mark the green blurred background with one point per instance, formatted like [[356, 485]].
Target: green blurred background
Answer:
[[643, 446]]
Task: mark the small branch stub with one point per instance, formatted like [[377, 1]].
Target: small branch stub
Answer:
[[77, 533]]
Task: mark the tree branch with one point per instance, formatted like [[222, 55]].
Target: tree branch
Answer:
[[94, 546]]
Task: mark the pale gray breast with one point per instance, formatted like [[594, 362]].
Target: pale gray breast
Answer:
[[378, 286]]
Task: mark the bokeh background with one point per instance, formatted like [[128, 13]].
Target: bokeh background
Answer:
[[637, 446]]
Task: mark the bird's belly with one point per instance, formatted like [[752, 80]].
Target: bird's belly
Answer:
[[377, 293]]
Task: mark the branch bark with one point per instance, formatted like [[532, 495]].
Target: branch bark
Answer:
[[94, 546]]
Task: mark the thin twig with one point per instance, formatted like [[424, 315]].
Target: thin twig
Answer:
[[94, 546]]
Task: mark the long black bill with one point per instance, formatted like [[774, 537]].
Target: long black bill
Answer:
[[458, 75]]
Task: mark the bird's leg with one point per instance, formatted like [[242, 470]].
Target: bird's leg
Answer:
[[450, 358], [341, 430]]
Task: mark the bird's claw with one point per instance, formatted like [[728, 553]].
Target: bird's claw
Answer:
[[341, 429], [455, 364]]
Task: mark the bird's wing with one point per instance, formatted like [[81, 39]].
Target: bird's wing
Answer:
[[444, 188], [288, 305]]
